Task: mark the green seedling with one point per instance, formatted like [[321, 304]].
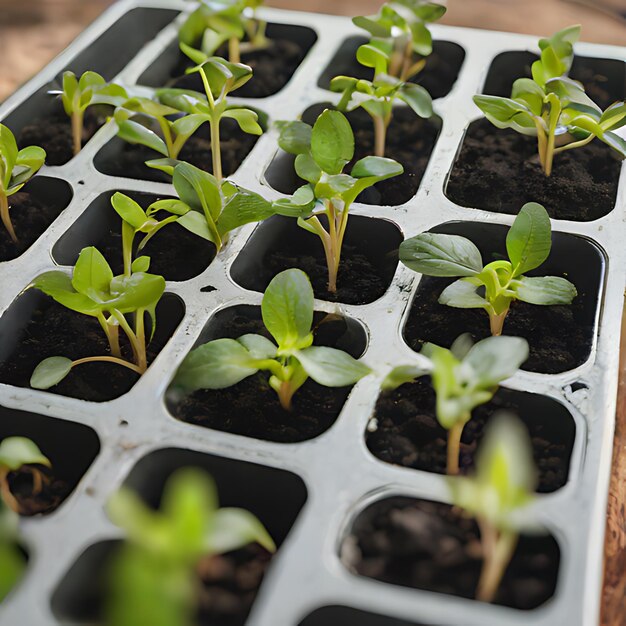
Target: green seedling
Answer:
[[153, 578], [400, 34], [287, 310], [464, 377], [12, 561], [216, 22], [78, 94], [17, 453], [492, 287], [555, 108], [496, 496], [94, 291], [17, 167], [322, 153]]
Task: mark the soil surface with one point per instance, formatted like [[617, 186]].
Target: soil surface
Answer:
[[54, 330], [409, 434], [498, 170], [251, 407], [558, 336], [429, 545], [273, 67], [130, 161], [54, 490], [230, 584], [54, 132], [30, 217]]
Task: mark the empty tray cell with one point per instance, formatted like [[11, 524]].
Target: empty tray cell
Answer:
[[227, 592], [438, 76], [175, 253], [344, 616], [368, 260], [408, 433], [273, 66], [560, 337], [431, 546], [71, 448], [410, 141], [251, 407], [35, 327]]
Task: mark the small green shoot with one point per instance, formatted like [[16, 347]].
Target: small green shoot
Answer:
[[153, 578], [495, 286], [502, 487], [555, 108], [216, 22], [400, 34], [94, 291], [464, 377], [17, 167], [18, 453], [80, 93], [12, 561], [322, 153], [287, 311]]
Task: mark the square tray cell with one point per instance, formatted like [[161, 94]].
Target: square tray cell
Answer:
[[274, 496], [273, 67], [32, 210], [408, 433], [561, 338], [70, 447], [431, 546], [368, 262], [345, 616], [438, 76], [410, 141], [251, 407], [35, 327], [175, 253]]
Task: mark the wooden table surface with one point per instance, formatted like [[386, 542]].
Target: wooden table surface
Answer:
[[33, 31]]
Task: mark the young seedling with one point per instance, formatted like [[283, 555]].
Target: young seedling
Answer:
[[153, 578], [399, 34], [80, 93], [18, 453], [502, 487], [322, 153], [287, 310], [12, 561], [555, 108], [492, 287], [216, 22], [94, 291], [17, 167], [464, 377]]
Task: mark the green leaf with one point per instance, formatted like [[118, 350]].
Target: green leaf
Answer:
[[196, 223], [244, 207], [461, 294], [418, 99], [188, 124], [141, 264], [371, 55], [545, 290], [215, 365], [135, 292], [287, 309], [258, 346], [332, 142], [70, 88], [50, 372], [331, 367], [373, 27], [529, 239], [58, 286], [435, 254], [92, 274], [496, 358], [135, 133], [380, 168], [235, 528], [401, 375], [246, 118], [18, 451], [198, 189], [307, 169], [507, 113], [295, 137], [129, 210]]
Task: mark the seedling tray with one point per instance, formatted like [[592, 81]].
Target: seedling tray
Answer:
[[309, 494]]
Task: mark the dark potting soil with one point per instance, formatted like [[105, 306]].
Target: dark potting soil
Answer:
[[229, 585], [558, 336], [53, 133], [54, 330], [429, 545], [30, 217], [408, 434], [130, 161], [498, 170], [273, 67], [251, 407], [53, 491]]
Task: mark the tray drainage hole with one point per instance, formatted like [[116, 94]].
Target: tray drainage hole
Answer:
[[208, 289], [81, 182], [123, 423], [577, 386]]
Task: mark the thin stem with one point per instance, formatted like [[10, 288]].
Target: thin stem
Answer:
[[112, 333], [380, 136], [167, 136], [555, 112], [496, 323], [216, 151], [128, 236], [109, 359], [139, 351], [6, 218], [406, 63], [498, 548], [541, 144], [575, 144], [77, 131], [234, 54], [140, 332], [454, 447], [285, 395]]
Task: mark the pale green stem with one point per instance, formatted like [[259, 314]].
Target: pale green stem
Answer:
[[496, 322], [167, 137], [234, 54], [139, 350], [108, 359], [112, 333], [454, 447], [575, 144], [6, 217], [77, 130]]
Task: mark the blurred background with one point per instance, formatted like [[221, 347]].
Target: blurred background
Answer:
[[33, 31]]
